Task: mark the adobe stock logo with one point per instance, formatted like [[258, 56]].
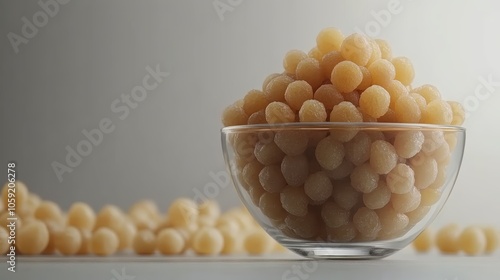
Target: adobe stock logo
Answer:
[[122, 108], [302, 271], [122, 275], [223, 6], [40, 19], [485, 88], [381, 19]]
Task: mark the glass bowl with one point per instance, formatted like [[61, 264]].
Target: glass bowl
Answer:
[[343, 190]]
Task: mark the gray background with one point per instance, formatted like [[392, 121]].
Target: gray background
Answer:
[[66, 77]]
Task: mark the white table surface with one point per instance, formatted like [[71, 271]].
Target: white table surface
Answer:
[[405, 265]]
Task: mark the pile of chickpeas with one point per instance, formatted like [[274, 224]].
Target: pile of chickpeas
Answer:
[[42, 227], [343, 185], [451, 239]]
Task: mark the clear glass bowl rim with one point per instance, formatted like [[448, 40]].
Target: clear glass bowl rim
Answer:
[[340, 125]]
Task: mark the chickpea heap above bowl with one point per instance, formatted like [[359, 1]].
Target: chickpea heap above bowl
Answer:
[[340, 156]]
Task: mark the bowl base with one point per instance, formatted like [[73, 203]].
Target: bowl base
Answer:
[[346, 252]]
